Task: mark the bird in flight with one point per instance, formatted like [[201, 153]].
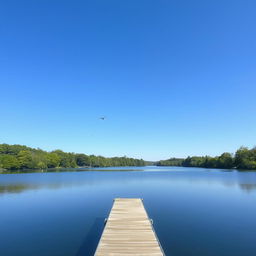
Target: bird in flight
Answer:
[[102, 118]]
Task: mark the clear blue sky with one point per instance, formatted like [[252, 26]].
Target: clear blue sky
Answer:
[[173, 78]]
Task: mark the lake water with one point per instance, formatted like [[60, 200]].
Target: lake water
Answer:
[[195, 211]]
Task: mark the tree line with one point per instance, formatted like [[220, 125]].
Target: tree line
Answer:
[[17, 157], [244, 158]]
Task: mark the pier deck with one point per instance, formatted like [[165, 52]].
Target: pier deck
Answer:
[[128, 231]]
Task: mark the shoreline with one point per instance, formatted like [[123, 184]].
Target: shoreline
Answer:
[[111, 168]]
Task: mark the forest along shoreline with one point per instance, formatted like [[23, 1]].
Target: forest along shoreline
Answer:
[[20, 158], [243, 159]]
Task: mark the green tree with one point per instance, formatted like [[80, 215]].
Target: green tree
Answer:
[[245, 158], [41, 165], [225, 161], [53, 160], [25, 159], [9, 162]]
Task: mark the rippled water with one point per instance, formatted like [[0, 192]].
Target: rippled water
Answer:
[[195, 211]]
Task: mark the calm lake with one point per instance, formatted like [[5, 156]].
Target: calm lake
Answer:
[[195, 211]]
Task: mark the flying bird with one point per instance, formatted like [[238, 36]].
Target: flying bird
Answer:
[[102, 118]]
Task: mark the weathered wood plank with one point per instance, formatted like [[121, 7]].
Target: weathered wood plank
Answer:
[[128, 231]]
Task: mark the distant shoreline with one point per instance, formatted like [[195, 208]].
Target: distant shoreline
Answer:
[[110, 169], [243, 159], [19, 157]]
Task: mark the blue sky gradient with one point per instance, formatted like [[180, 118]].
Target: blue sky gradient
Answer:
[[173, 78]]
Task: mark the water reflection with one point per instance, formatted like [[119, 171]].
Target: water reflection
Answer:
[[248, 187], [16, 188], [89, 244], [18, 183]]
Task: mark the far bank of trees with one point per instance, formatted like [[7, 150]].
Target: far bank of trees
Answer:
[[16, 157], [244, 158]]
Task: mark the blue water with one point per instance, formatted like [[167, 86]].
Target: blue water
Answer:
[[195, 211]]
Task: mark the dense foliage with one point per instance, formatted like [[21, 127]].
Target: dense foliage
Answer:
[[171, 162], [244, 158], [15, 157]]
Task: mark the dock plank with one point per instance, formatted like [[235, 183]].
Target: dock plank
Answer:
[[128, 231]]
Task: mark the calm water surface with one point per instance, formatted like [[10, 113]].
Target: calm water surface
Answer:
[[195, 211]]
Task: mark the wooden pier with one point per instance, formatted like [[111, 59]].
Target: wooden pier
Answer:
[[128, 231]]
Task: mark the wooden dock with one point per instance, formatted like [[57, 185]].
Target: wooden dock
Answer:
[[128, 231]]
